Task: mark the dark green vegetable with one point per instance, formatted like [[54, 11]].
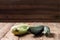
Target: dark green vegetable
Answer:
[[36, 30]]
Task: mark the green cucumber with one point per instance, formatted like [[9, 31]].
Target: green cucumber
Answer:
[[36, 30]]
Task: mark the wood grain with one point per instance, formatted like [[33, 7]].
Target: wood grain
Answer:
[[30, 18], [9, 35], [5, 29], [17, 10], [54, 27], [2, 25]]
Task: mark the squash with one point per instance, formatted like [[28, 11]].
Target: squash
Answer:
[[20, 29]]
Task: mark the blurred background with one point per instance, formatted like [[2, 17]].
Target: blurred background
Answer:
[[30, 10]]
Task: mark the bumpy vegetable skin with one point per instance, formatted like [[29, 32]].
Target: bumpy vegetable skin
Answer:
[[20, 29]]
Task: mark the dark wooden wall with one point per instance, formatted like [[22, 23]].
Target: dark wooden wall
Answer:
[[30, 10]]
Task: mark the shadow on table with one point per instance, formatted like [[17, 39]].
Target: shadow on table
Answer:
[[52, 35], [40, 35], [22, 35]]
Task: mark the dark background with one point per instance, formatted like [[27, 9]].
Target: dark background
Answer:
[[29, 10]]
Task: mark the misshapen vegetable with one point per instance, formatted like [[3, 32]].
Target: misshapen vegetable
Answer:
[[36, 30], [20, 29]]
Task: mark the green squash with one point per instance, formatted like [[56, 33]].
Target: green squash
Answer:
[[36, 30], [20, 29]]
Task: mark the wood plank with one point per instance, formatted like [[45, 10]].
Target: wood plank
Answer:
[[58, 27], [27, 17], [5, 29], [2, 25], [27, 2], [30, 18], [30, 37], [10, 35], [29, 7], [54, 27]]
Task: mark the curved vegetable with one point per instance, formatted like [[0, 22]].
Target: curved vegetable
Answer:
[[36, 30], [20, 29]]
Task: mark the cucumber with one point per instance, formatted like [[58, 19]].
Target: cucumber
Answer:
[[36, 30]]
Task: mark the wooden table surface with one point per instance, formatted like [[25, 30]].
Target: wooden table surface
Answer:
[[5, 32]]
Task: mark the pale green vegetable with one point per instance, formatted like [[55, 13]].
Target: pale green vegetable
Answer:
[[20, 29]]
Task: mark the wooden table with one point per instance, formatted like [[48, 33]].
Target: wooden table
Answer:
[[5, 33]]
